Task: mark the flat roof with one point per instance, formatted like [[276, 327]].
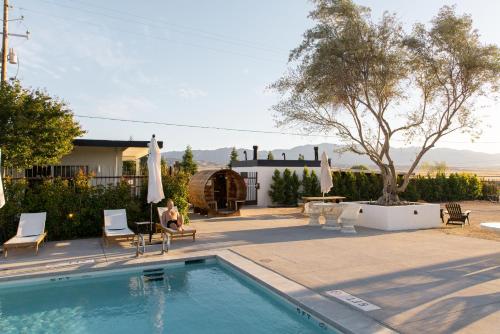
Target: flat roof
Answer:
[[276, 163], [113, 143]]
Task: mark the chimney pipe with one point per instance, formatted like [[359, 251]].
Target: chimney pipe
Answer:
[[255, 148], [316, 157], [329, 162], [284, 155], [245, 153]]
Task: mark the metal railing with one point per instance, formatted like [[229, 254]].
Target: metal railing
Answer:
[[135, 182]]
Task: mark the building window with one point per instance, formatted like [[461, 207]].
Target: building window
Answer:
[[38, 171], [70, 171], [55, 171]]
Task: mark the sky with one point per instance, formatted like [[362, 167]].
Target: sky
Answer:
[[205, 63]]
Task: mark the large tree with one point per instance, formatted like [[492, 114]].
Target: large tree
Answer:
[[372, 84], [35, 128]]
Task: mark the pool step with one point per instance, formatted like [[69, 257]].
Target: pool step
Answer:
[[153, 275]]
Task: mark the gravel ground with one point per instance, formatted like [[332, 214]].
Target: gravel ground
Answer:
[[482, 211]]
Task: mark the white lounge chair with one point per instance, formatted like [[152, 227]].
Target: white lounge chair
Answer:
[[349, 216], [175, 234], [115, 225], [30, 232]]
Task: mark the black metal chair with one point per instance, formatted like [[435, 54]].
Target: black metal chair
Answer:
[[456, 216]]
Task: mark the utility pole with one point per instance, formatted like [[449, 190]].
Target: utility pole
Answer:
[[9, 55], [5, 35]]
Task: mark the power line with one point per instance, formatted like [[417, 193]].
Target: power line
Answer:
[[153, 37], [200, 126], [210, 127], [162, 23]]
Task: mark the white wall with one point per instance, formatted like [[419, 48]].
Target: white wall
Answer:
[[109, 158], [264, 178], [400, 217]]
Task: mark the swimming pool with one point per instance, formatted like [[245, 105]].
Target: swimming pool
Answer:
[[187, 298]]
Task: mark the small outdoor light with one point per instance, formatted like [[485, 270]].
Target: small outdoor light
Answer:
[[71, 215], [12, 56]]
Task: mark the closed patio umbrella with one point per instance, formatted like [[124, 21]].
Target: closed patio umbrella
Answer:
[[155, 187], [2, 196], [326, 182]]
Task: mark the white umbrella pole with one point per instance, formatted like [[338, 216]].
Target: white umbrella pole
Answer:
[[150, 222]]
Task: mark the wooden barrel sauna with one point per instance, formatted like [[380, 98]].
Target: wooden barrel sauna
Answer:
[[218, 192]]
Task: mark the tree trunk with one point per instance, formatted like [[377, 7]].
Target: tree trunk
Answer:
[[390, 189]]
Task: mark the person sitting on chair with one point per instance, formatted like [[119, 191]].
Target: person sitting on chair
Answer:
[[171, 217]]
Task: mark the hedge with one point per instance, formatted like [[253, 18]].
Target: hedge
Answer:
[[75, 209], [439, 188], [285, 189], [361, 186]]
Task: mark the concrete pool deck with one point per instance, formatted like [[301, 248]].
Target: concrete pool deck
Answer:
[[421, 280]]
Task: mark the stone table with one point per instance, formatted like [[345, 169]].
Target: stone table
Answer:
[[331, 212]]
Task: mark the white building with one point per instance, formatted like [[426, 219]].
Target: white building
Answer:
[[101, 158], [258, 173]]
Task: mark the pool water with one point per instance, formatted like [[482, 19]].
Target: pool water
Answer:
[[199, 298]]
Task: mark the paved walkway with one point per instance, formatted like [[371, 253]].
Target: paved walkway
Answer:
[[423, 281]]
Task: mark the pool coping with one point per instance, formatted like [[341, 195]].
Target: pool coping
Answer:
[[336, 314]]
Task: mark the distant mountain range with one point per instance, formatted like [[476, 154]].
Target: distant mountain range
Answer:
[[402, 156]]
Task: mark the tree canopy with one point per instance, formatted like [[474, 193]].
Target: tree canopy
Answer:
[[35, 128], [373, 84], [233, 156], [359, 167], [188, 164]]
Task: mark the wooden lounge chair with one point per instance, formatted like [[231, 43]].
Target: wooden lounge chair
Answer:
[[115, 226], [174, 234], [30, 232], [456, 216]]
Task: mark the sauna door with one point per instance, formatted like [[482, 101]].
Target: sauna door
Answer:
[[220, 191]]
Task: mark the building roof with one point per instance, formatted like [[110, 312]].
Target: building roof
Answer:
[[113, 143], [276, 163]]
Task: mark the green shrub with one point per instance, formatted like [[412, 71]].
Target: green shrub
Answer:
[[286, 188], [288, 195], [362, 186], [350, 187], [375, 184], [295, 185], [291, 184], [438, 188], [314, 185], [305, 183], [75, 208], [277, 188], [490, 189]]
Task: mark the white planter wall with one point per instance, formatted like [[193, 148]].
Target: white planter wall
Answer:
[[403, 217]]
